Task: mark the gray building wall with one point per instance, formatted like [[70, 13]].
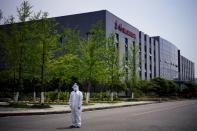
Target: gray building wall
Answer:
[[168, 59], [111, 20], [82, 22], [148, 57], [186, 69]]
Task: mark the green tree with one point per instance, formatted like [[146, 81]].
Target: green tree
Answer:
[[131, 60], [91, 59], [16, 39], [173, 88], [112, 67], [190, 90], [47, 39], [163, 86], [65, 64], [147, 87]]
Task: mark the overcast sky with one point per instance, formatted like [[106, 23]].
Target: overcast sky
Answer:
[[174, 20]]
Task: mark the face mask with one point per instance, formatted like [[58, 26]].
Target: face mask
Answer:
[[75, 89]]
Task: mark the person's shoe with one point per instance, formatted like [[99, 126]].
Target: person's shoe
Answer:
[[77, 127], [72, 126]]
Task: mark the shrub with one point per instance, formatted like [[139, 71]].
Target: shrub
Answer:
[[51, 96]]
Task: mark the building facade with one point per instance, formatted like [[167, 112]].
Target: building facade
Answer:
[[156, 57], [148, 57], [126, 36], [168, 59], [186, 69]]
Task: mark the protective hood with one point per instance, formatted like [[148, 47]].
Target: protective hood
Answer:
[[75, 87]]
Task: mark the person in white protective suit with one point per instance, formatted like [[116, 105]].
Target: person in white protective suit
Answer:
[[75, 102]]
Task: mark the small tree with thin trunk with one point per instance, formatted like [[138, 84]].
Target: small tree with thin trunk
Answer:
[[131, 65], [47, 38], [91, 62], [65, 63], [112, 67], [16, 39]]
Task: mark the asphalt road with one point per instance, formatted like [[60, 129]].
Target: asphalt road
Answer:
[[168, 116]]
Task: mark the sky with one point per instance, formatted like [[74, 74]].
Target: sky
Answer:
[[173, 20]]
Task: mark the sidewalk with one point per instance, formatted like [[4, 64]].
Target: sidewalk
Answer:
[[57, 109]]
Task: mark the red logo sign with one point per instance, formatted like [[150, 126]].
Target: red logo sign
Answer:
[[124, 30]]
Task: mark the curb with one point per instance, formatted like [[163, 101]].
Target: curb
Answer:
[[68, 111]]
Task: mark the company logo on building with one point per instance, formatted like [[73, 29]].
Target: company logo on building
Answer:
[[124, 30]]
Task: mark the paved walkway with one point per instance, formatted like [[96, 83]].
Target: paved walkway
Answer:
[[8, 111]]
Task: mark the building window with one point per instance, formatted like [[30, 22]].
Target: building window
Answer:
[[154, 71], [117, 37], [140, 35], [133, 43], [150, 67], [126, 40], [126, 49], [140, 46], [140, 74], [150, 50]]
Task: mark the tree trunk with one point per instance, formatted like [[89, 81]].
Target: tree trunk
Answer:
[[42, 98], [112, 96], [58, 93], [58, 96], [67, 96], [87, 97], [16, 97], [101, 95], [34, 99], [116, 95], [42, 72], [132, 95], [88, 93]]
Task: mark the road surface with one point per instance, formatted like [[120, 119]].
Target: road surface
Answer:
[[167, 116]]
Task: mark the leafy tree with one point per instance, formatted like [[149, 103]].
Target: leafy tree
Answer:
[[47, 38], [28, 46], [16, 39], [65, 64], [131, 60], [165, 87], [147, 87], [91, 59], [11, 55], [173, 88], [112, 67], [190, 90]]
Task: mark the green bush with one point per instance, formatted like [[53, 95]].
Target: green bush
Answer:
[[51, 96], [138, 94], [63, 96]]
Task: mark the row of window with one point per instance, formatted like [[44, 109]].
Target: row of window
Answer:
[[117, 39]]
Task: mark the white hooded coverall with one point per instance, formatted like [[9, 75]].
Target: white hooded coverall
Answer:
[[75, 102]]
